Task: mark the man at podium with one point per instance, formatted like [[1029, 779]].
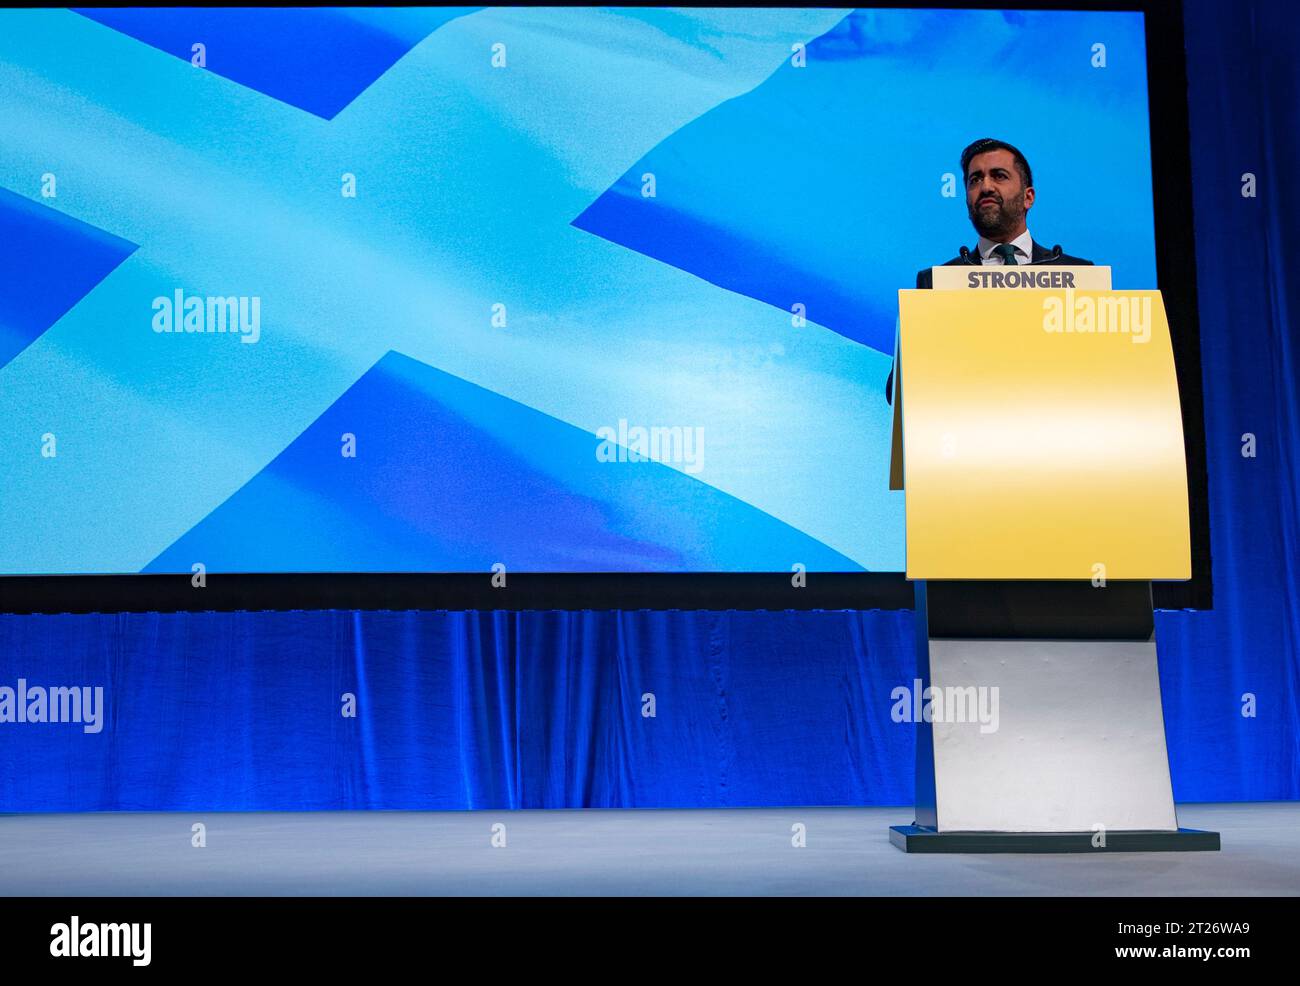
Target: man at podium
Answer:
[[1034, 529], [999, 195]]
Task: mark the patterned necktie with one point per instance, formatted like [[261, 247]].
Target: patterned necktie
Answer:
[[1008, 254]]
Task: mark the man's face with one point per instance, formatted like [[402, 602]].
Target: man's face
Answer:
[[996, 197]]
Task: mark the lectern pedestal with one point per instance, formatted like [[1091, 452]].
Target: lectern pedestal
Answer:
[[1045, 731]]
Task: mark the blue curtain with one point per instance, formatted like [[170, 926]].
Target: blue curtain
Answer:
[[461, 710], [1244, 96], [475, 710]]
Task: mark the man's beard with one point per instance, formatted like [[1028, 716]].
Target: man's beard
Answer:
[[993, 223]]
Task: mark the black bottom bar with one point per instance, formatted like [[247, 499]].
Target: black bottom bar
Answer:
[[917, 838]]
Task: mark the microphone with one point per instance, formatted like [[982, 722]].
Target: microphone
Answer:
[[964, 254], [1054, 255]]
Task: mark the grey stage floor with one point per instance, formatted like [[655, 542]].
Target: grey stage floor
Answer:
[[742, 851]]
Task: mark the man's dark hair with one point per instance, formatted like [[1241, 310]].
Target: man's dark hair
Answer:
[[986, 144]]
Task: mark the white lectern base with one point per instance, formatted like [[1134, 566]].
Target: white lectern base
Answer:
[[1039, 722]]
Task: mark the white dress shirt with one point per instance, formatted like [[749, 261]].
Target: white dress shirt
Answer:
[[1023, 243]]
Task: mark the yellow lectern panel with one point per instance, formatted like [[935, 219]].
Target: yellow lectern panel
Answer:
[[1035, 445]]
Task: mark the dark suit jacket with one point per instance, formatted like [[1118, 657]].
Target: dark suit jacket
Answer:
[[925, 280]]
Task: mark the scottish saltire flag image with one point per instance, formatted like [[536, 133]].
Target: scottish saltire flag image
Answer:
[[565, 290]]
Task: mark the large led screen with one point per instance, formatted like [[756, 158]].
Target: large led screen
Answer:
[[560, 290]]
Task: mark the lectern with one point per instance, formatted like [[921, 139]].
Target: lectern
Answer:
[[1038, 441]]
